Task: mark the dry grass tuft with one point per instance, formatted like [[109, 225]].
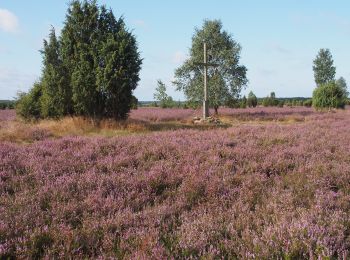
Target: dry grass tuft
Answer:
[[27, 132]]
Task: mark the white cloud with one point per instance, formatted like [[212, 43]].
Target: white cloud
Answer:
[[179, 57], [8, 21]]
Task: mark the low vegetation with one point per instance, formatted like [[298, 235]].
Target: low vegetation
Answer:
[[84, 174], [250, 191]]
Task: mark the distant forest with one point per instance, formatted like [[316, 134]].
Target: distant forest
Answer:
[[7, 104]]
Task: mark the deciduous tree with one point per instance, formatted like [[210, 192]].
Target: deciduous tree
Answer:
[[324, 70], [225, 81]]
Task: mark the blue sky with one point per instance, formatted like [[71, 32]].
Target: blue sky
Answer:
[[279, 39]]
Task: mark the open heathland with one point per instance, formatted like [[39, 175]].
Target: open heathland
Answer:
[[272, 183]]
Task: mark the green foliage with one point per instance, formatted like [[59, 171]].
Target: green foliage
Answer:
[[134, 102], [192, 104], [243, 103], [330, 95], [91, 70], [266, 102], [252, 100], [165, 101], [119, 75], [307, 103], [56, 99], [7, 104], [29, 105], [232, 102], [272, 101], [341, 82], [225, 81], [324, 71]]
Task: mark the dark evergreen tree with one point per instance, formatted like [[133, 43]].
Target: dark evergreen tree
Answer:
[[56, 98], [104, 59], [118, 68], [93, 68], [79, 49]]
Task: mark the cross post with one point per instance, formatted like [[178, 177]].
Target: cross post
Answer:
[[205, 64]]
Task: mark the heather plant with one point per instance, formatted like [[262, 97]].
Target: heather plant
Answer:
[[162, 115], [7, 115], [261, 191]]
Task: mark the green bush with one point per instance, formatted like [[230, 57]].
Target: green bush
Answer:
[[329, 95], [134, 102], [307, 103], [232, 103], [280, 103], [243, 103], [266, 102], [29, 105], [252, 100]]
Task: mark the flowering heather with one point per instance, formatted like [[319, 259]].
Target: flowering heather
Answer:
[[161, 114], [266, 113], [268, 191], [7, 115]]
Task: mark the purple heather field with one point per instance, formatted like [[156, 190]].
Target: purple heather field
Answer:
[[275, 185]]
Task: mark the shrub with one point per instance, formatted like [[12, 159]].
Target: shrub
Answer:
[[307, 103], [329, 95], [266, 102], [28, 105], [252, 100], [243, 103]]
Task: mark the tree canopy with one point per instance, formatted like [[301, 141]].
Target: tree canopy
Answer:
[[225, 81], [161, 96], [92, 69], [324, 70]]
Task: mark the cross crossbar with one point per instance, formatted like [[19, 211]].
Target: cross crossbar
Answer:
[[205, 64]]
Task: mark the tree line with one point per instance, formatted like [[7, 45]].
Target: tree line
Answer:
[[227, 80], [91, 70]]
